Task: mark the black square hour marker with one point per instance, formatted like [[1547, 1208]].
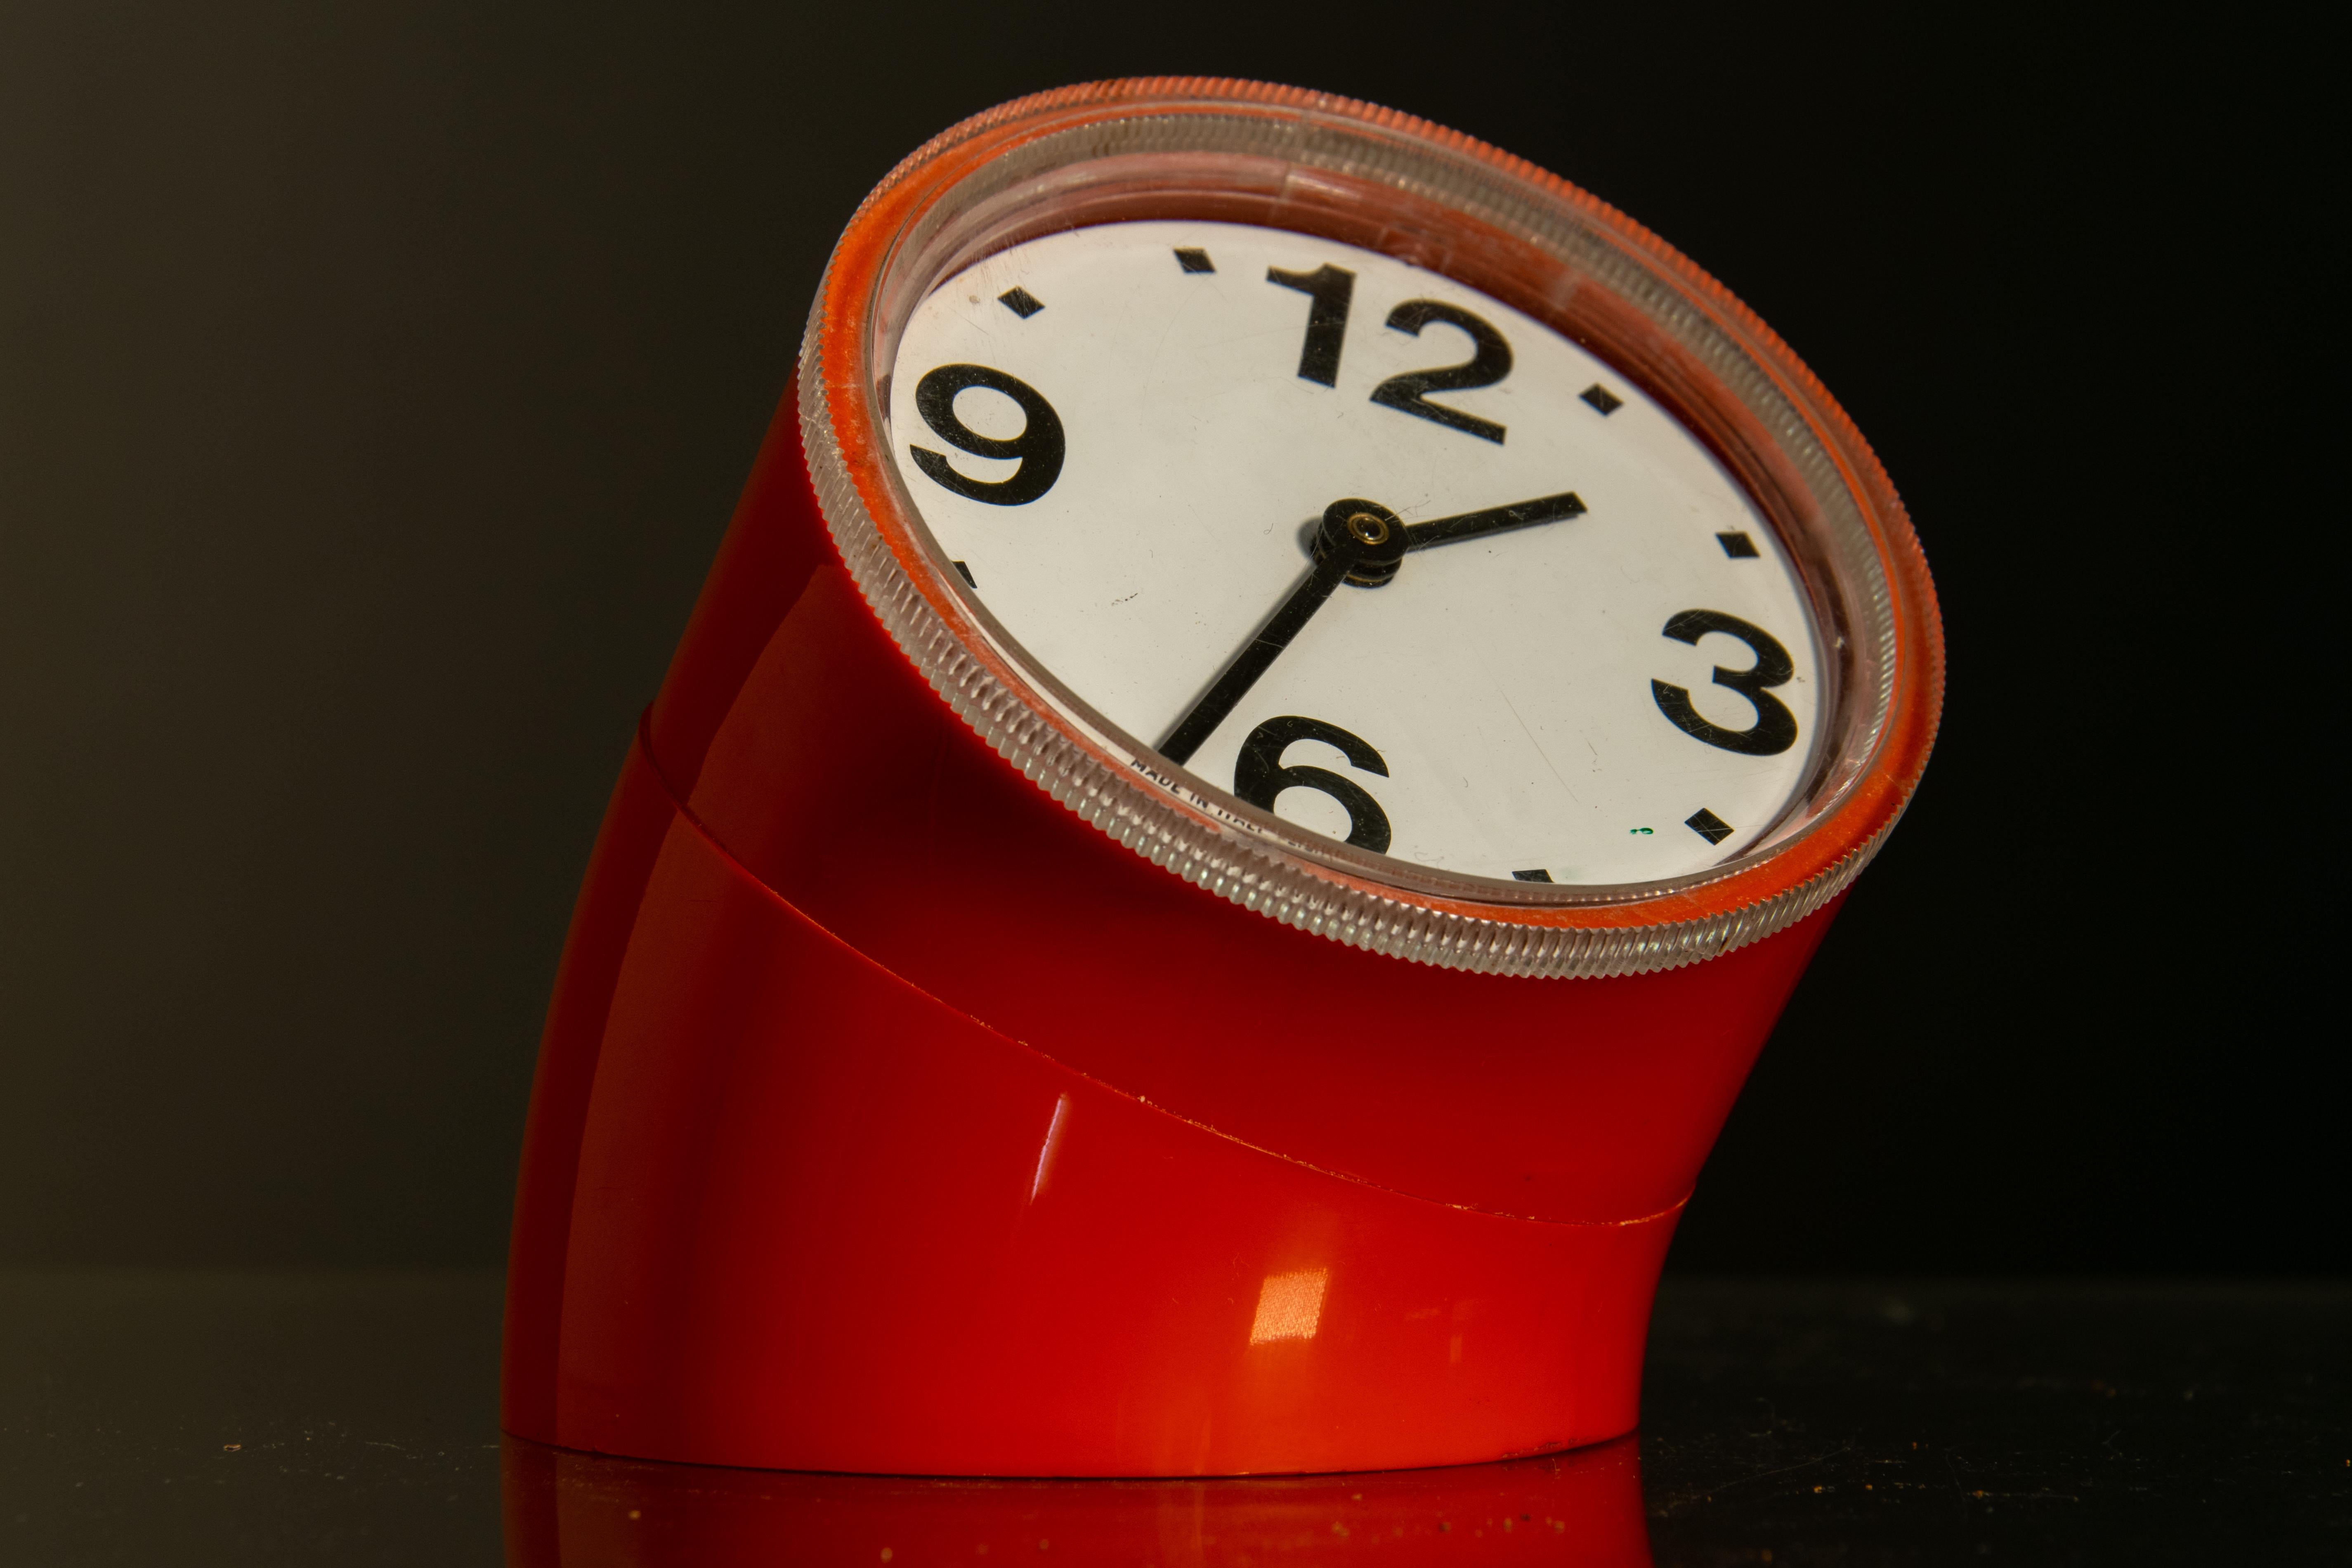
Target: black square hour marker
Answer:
[[1600, 397], [965, 572], [1709, 826], [1531, 875], [1194, 260], [1021, 302], [1738, 546]]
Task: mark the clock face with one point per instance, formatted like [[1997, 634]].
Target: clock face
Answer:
[[1364, 547]]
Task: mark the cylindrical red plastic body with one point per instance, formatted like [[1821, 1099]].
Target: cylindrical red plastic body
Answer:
[[890, 1117]]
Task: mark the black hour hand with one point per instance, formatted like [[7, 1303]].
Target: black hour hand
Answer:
[[1492, 519]]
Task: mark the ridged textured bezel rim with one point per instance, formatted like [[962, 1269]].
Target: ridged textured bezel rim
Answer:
[[1115, 783]]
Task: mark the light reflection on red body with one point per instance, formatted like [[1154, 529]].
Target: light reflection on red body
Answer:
[[566, 1510]]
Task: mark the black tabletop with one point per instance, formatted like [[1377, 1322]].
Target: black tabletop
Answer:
[[195, 1418]]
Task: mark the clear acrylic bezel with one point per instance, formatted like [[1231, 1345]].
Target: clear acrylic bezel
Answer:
[[1286, 159]]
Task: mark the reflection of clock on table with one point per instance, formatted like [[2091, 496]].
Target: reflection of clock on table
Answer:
[[1245, 787]]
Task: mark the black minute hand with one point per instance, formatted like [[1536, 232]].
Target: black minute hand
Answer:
[[1371, 530], [1362, 542]]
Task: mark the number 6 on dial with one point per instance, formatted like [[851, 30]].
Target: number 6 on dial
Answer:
[[1259, 776]]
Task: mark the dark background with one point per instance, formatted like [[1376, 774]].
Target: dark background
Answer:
[[375, 382]]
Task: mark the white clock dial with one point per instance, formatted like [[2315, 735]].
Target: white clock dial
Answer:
[[1129, 438]]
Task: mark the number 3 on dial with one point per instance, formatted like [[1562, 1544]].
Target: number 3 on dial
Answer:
[[1775, 730]]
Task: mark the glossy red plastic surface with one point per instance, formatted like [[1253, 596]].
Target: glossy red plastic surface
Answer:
[[891, 1117], [580, 1510], [839, 779], [823, 1221]]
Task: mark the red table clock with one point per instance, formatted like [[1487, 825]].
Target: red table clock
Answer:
[[1287, 700]]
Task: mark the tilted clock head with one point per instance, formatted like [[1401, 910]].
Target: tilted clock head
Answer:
[[1370, 528]]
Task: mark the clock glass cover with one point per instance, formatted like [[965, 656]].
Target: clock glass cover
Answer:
[[1363, 546]]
